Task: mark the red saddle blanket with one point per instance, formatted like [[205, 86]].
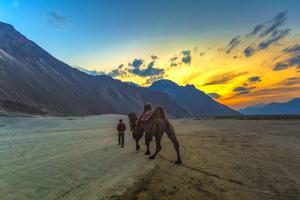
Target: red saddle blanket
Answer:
[[146, 115]]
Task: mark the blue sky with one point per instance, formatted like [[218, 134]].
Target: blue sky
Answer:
[[101, 33]]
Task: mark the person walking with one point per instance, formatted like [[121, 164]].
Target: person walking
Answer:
[[121, 132]]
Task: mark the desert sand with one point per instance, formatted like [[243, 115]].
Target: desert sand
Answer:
[[227, 159], [66, 158], [78, 158]]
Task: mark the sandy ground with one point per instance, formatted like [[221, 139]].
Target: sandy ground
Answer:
[[66, 158], [77, 158], [227, 159]]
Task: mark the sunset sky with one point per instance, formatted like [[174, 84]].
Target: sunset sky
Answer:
[[239, 52]]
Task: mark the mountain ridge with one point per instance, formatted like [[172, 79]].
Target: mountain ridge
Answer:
[[193, 100], [291, 107]]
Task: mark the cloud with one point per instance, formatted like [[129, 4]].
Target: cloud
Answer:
[[254, 79], [274, 23], [154, 78], [173, 61], [293, 49], [154, 57], [214, 95], [56, 18], [202, 53], [136, 63], [275, 91], [149, 71], [117, 72], [90, 72], [275, 37], [247, 86], [280, 66], [223, 78], [269, 26], [265, 35], [241, 90], [186, 59], [249, 51], [233, 43], [291, 81], [265, 92], [257, 29], [290, 62]]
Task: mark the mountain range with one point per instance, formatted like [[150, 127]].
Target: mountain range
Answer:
[[33, 81], [291, 107]]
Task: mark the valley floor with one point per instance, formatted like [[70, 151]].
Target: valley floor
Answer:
[[78, 158], [227, 159], [66, 158]]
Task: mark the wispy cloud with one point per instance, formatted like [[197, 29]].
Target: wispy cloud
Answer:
[[173, 62], [233, 44], [56, 18], [275, 37], [292, 49], [90, 72], [223, 78], [261, 37], [242, 90], [293, 61], [214, 95], [117, 72], [247, 86], [291, 81]]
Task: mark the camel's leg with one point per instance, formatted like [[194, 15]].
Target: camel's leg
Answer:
[[171, 135], [137, 146], [158, 145], [137, 138], [148, 139]]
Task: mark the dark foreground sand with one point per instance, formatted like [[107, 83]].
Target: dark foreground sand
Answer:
[[77, 158], [227, 159]]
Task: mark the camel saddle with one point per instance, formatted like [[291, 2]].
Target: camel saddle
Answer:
[[146, 116]]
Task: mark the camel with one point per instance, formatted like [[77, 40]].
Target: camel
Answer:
[[156, 125]]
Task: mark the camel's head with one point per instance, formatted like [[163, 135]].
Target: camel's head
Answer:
[[132, 121], [135, 126]]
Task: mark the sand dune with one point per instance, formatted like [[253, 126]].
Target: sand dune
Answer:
[[77, 158]]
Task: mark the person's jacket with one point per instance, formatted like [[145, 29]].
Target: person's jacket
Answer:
[[121, 127]]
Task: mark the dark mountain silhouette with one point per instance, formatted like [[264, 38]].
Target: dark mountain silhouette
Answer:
[[33, 81], [291, 107], [196, 102]]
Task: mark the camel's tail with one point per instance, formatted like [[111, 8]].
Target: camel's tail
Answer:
[[160, 112]]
